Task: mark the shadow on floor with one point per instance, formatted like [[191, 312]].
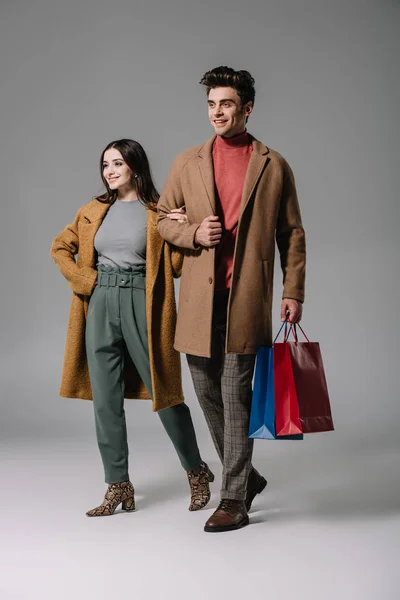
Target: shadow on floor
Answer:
[[357, 489]]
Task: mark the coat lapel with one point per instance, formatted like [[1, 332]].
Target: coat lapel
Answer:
[[95, 211], [206, 168], [91, 218], [258, 159]]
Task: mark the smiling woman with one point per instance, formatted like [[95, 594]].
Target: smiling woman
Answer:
[[122, 321], [126, 174], [117, 173]]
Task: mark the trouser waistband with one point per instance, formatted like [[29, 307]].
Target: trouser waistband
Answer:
[[109, 277]]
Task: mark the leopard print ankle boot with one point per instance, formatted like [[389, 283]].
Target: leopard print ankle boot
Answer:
[[199, 481], [115, 494]]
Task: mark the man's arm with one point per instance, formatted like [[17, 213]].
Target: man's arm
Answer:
[[290, 238], [179, 234]]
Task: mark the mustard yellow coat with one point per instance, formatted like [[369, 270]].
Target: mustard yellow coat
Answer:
[[163, 262]]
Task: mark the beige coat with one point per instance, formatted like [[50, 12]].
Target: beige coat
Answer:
[[162, 263], [269, 208]]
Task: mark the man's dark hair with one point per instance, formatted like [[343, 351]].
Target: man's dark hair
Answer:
[[241, 81]]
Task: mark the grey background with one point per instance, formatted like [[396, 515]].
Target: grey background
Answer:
[[74, 76]]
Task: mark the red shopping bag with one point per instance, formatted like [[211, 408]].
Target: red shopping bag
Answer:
[[301, 395], [287, 415]]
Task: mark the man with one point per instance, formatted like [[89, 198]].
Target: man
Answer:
[[239, 196]]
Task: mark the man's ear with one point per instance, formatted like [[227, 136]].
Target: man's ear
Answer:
[[248, 108]]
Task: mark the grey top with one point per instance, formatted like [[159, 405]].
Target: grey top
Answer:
[[121, 238]]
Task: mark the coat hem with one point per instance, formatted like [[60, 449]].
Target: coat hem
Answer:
[[174, 402], [245, 351], [195, 352], [78, 396]]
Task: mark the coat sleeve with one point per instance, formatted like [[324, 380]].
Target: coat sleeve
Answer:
[[179, 234], [290, 238], [63, 251], [176, 261]]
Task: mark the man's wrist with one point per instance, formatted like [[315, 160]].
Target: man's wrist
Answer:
[[300, 301], [195, 242]]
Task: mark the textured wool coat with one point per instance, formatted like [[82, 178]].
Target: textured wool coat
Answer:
[[269, 210], [162, 264]]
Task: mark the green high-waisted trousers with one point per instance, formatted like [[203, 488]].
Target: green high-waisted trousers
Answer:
[[117, 320]]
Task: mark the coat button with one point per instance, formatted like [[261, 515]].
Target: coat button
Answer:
[[210, 280]]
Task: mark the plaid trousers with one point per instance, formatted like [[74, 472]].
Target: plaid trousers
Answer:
[[223, 385]]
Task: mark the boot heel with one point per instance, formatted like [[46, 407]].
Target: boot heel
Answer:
[[128, 504], [209, 473], [262, 484]]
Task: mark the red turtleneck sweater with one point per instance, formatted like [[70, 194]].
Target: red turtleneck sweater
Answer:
[[231, 159]]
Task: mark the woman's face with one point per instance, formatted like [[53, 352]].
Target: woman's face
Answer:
[[115, 170]]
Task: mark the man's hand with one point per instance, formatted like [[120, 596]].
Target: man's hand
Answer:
[[295, 309], [178, 214], [209, 233]]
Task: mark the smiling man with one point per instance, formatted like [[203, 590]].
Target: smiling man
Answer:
[[239, 197]]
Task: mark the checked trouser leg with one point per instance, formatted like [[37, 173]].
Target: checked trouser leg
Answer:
[[223, 385]]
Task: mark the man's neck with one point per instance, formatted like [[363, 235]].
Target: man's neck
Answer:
[[231, 137], [237, 141]]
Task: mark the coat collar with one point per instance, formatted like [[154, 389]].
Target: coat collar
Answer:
[[257, 162], [95, 210]]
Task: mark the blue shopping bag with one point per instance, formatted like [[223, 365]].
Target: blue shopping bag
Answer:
[[262, 415]]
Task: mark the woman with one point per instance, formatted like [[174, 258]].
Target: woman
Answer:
[[122, 321]]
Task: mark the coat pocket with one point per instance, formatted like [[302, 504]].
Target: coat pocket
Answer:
[[265, 280]]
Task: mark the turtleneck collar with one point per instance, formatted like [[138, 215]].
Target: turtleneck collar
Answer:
[[238, 141]]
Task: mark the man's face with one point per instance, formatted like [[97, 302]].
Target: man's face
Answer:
[[226, 114]]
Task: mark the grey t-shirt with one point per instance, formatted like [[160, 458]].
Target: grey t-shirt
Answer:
[[121, 238]]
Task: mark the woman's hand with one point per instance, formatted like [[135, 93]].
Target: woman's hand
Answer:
[[178, 214]]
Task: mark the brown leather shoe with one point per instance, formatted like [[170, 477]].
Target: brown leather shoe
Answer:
[[230, 514], [255, 485]]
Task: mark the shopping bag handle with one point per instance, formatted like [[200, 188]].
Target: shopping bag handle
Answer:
[[290, 329], [284, 325], [302, 331], [294, 332]]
